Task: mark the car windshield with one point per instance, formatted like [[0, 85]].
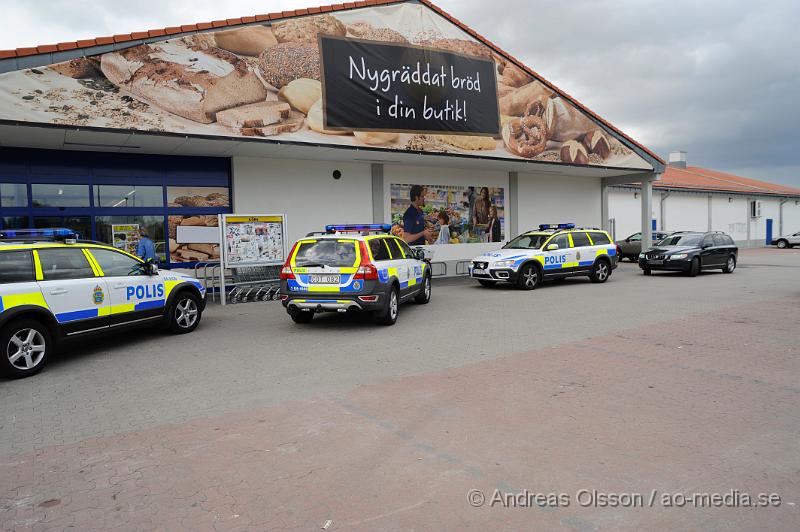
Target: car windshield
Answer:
[[333, 253], [527, 242], [689, 239]]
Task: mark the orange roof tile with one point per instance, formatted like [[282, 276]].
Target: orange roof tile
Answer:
[[695, 178], [20, 52]]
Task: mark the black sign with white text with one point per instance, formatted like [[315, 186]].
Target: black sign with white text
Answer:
[[377, 86]]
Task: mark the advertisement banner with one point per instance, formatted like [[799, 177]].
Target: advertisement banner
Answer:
[[449, 214], [393, 87], [125, 237], [254, 240], [397, 77]]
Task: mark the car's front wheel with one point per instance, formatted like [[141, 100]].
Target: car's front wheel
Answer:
[[783, 244], [184, 314], [694, 268], [424, 295], [600, 272], [26, 345], [529, 277]]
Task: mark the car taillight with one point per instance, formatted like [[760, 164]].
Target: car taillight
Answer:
[[286, 271], [366, 271]]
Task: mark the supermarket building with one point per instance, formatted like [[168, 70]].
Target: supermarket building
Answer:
[[168, 128]]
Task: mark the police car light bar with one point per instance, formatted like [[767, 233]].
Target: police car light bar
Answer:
[[358, 228], [544, 227], [31, 234]]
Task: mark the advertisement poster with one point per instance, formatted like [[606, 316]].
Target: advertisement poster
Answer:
[[198, 197], [454, 214], [254, 239], [398, 77], [125, 237], [181, 250]]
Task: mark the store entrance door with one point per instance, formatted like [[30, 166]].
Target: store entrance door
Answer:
[[81, 224]]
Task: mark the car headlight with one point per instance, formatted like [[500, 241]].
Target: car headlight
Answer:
[[678, 256], [503, 264], [641, 255]]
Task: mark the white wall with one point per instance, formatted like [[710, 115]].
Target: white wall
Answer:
[[558, 199], [447, 176], [689, 212], [304, 191]]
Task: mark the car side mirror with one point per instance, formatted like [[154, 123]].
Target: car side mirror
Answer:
[[150, 268], [419, 253], [552, 247]]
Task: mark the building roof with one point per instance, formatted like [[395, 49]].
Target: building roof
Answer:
[[696, 178], [217, 24]]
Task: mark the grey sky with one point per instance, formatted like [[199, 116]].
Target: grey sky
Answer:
[[719, 79]]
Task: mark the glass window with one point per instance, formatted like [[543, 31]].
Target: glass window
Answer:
[[682, 239], [561, 240], [580, 240], [64, 263], [527, 242], [404, 247], [116, 264], [378, 249], [599, 239], [128, 196], [394, 249], [80, 224], [14, 222], [328, 252], [719, 240], [121, 232], [16, 267], [729, 241], [635, 237], [708, 241], [13, 195], [60, 195], [198, 197]]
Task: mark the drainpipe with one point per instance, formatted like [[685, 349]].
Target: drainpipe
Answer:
[[748, 222], [663, 210], [780, 216], [710, 224]]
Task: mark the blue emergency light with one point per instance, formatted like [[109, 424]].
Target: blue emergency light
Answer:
[[31, 234], [358, 228], [545, 227]]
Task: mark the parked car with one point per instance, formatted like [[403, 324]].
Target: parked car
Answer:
[[784, 242], [691, 252], [632, 246]]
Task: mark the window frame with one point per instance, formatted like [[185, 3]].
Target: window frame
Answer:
[[27, 252], [588, 243], [78, 250], [94, 252], [381, 242]]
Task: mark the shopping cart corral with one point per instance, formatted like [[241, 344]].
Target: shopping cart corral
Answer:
[[241, 284]]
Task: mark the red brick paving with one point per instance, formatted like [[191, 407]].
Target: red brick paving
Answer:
[[707, 403]]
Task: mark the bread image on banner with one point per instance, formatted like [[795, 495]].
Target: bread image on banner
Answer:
[[332, 78], [189, 81]]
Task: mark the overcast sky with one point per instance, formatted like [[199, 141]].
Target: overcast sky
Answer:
[[719, 79]]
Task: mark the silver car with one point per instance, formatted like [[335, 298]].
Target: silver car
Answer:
[[784, 242]]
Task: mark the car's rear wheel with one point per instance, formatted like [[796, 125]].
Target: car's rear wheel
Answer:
[[529, 277], [730, 265], [184, 314], [26, 345], [783, 244], [425, 294], [694, 268], [484, 282], [389, 315], [298, 316]]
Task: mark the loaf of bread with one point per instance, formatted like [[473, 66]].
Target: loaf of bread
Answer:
[[289, 125], [186, 80], [289, 61], [306, 29], [250, 40], [254, 115]]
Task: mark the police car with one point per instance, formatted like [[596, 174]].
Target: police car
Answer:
[[53, 287], [555, 251], [353, 268]]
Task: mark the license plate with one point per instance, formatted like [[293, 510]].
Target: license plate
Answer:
[[655, 261], [324, 279], [478, 271]]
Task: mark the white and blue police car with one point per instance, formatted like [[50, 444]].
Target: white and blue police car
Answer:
[[554, 251], [53, 287]]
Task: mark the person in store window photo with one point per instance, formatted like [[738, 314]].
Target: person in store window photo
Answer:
[[444, 228], [414, 231], [493, 230]]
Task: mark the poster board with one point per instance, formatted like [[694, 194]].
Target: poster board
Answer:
[[253, 239], [125, 237]]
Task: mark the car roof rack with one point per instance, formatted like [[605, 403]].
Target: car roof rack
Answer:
[[358, 228]]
